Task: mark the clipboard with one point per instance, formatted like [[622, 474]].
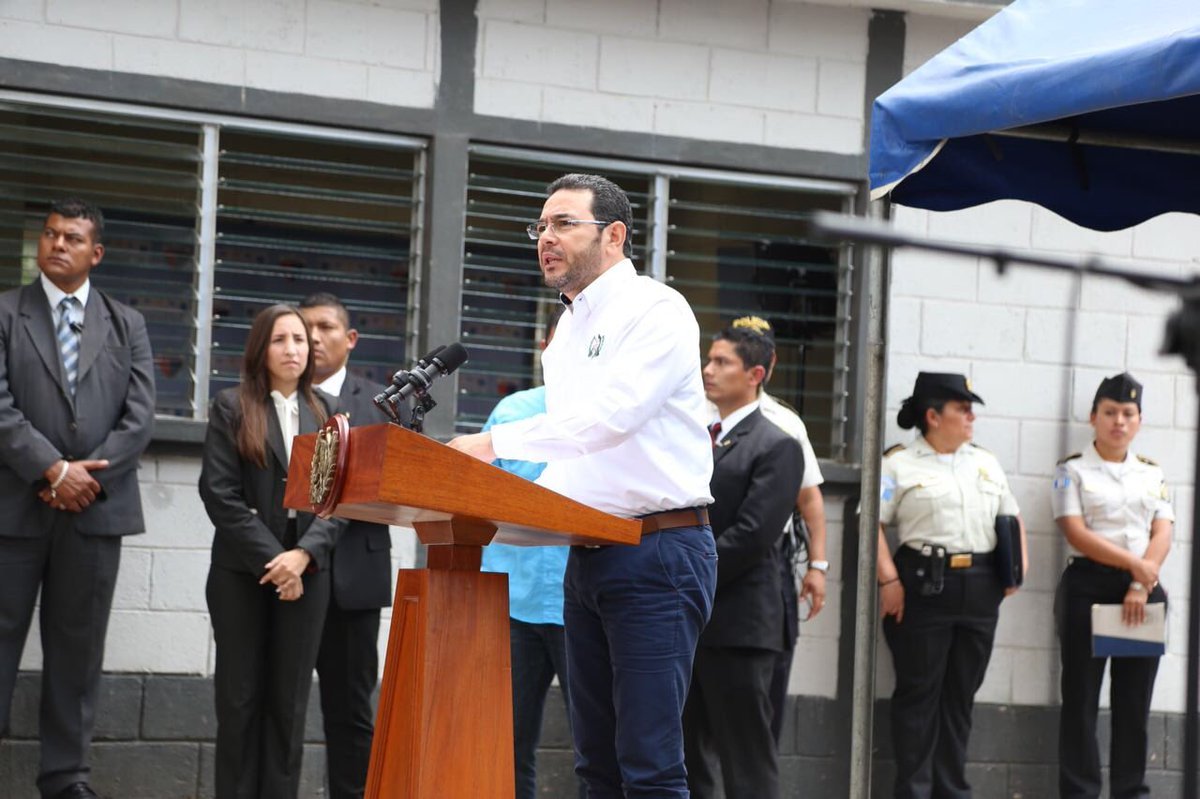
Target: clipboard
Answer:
[[1112, 638]]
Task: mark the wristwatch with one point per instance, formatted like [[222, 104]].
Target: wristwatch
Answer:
[[820, 565]]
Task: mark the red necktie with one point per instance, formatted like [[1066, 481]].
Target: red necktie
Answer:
[[714, 431]]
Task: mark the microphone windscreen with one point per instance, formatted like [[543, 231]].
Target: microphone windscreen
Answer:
[[452, 356]]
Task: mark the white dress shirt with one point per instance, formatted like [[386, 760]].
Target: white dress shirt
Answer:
[[287, 410], [1117, 501], [731, 421], [54, 295], [624, 424], [332, 385], [951, 500]]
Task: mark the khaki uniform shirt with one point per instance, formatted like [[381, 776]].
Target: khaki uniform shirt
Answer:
[[1117, 501], [949, 500]]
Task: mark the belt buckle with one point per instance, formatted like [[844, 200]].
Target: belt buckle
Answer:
[[960, 560]]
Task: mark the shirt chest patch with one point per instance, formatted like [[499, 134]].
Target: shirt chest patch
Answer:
[[595, 346]]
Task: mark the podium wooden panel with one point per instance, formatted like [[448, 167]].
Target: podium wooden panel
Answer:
[[444, 725]]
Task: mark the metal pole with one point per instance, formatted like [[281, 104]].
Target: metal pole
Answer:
[[865, 623]]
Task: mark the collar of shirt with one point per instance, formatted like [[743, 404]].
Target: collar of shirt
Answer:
[[923, 448], [731, 421], [287, 410], [603, 287], [54, 295], [332, 385], [1091, 456]]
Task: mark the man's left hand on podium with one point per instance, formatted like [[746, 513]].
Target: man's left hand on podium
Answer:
[[477, 445]]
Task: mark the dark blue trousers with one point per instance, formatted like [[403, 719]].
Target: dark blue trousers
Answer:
[[633, 617], [539, 652]]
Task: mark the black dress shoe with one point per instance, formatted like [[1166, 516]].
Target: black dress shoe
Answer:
[[78, 790]]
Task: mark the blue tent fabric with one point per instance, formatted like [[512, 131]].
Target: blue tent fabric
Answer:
[[1105, 66]]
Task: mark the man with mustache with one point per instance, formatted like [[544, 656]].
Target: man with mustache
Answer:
[[623, 432], [76, 411]]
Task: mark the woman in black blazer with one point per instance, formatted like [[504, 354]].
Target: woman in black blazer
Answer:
[[267, 587]]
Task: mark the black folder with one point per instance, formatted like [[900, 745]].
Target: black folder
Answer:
[[1008, 556]]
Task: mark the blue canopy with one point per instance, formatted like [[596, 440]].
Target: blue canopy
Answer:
[[1079, 72]]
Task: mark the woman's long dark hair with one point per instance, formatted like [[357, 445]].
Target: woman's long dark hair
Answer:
[[254, 393], [912, 412]]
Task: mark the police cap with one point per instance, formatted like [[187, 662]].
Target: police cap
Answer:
[[1122, 388], [943, 385]]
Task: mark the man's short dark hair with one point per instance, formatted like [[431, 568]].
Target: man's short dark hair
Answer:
[[323, 299], [609, 201], [754, 348], [75, 208]]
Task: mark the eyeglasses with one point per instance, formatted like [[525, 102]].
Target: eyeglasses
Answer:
[[559, 226]]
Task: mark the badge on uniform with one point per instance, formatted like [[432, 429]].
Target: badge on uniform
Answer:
[[595, 346], [887, 488]]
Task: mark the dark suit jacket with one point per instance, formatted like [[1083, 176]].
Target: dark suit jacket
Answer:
[[362, 560], [111, 415], [756, 476], [245, 501]]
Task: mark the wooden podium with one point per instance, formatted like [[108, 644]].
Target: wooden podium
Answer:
[[444, 725]]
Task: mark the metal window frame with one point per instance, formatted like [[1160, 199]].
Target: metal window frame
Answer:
[[210, 127], [656, 257]]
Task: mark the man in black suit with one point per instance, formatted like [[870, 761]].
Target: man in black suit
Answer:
[[348, 664], [76, 412], [757, 470]]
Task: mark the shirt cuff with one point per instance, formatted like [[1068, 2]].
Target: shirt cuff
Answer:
[[507, 440]]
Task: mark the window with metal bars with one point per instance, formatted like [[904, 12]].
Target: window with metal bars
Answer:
[[733, 244], [209, 219]]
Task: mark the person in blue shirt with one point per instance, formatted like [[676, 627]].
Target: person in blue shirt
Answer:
[[535, 603]]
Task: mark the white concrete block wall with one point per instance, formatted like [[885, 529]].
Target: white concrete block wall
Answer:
[[345, 49], [1009, 334], [160, 620], [787, 75]]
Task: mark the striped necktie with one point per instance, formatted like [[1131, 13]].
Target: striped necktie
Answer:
[[68, 339]]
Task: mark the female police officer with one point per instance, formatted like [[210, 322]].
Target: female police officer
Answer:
[[1113, 508], [940, 594]]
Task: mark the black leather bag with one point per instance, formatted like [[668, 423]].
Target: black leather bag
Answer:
[[1008, 555]]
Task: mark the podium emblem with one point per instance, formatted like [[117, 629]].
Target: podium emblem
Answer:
[[329, 465]]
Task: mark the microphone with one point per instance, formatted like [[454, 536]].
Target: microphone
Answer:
[[438, 362], [76, 326]]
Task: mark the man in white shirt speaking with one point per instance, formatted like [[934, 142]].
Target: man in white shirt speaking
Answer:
[[623, 432]]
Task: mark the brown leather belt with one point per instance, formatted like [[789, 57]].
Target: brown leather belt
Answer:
[[670, 519]]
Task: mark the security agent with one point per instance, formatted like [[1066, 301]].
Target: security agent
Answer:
[[360, 567], [939, 595], [757, 470], [1115, 512]]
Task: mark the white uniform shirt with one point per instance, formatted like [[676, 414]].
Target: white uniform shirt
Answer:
[[624, 424], [789, 422], [951, 500], [1116, 500]]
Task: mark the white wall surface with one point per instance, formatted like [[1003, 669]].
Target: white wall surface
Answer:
[[755, 72], [384, 51], [1035, 345]]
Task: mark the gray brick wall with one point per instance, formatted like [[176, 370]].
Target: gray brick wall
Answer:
[[154, 741]]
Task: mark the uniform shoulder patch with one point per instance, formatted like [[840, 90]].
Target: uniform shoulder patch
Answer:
[[1070, 457], [1147, 461], [892, 449]]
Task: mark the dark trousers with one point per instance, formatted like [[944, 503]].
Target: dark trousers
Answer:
[[348, 668], [266, 651], [633, 617], [940, 651], [781, 673], [791, 631], [77, 575], [539, 652], [728, 714], [1083, 584]]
